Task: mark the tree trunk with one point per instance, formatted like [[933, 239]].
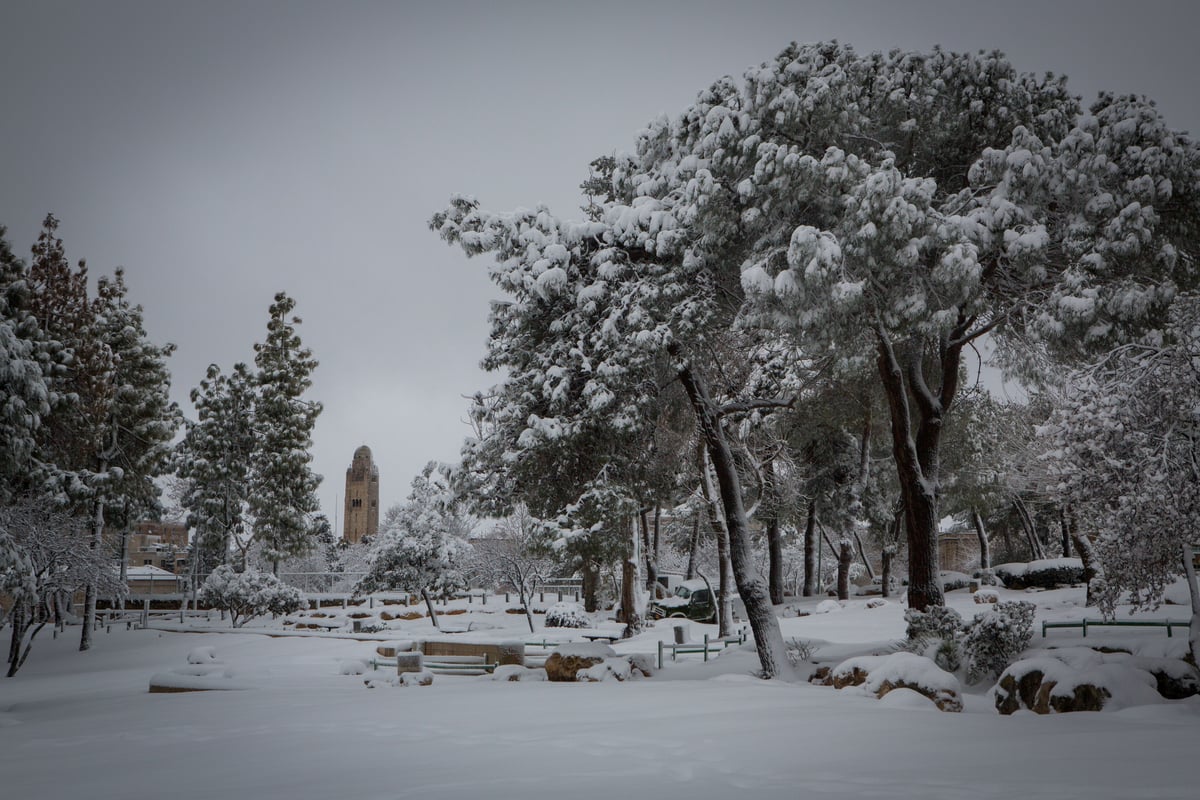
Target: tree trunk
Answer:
[[916, 455], [720, 527], [772, 653], [1065, 529], [775, 559], [810, 550], [655, 543], [591, 585], [89, 594], [630, 607], [629, 614], [889, 552], [985, 552], [862, 552], [1036, 552], [525, 605], [648, 551], [429, 605], [693, 549], [845, 558], [1092, 568]]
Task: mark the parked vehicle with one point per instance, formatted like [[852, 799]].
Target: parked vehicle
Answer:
[[692, 600]]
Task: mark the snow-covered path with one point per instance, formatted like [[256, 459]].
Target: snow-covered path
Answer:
[[83, 725]]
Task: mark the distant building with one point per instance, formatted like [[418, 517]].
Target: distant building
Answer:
[[362, 497], [158, 544]]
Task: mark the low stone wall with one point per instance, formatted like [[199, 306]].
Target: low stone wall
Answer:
[[494, 653]]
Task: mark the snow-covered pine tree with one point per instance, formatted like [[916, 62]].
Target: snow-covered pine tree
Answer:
[[71, 440], [25, 397], [136, 431], [901, 206], [213, 461], [283, 487]]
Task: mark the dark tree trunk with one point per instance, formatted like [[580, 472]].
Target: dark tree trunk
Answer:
[[1087, 554], [845, 558], [693, 548], [1065, 529], [655, 542], [916, 438], [889, 553], [768, 639], [862, 552], [716, 519], [429, 605], [629, 611], [985, 551], [775, 556], [591, 584], [648, 550], [1030, 529], [810, 550]]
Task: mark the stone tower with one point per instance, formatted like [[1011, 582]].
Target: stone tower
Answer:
[[362, 497]]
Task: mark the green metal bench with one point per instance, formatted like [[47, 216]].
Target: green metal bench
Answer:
[[1118, 623]]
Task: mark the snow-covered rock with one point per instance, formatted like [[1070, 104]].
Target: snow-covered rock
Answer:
[[1082, 679], [203, 655], [827, 606], [352, 667], [883, 674], [566, 662]]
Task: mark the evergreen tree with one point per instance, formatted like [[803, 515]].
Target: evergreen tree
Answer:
[[25, 396], [213, 461], [72, 439], [139, 422], [282, 487]]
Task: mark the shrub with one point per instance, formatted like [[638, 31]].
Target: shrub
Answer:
[[937, 629], [248, 594], [995, 638], [567, 615]]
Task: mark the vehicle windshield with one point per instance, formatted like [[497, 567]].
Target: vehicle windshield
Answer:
[[683, 591]]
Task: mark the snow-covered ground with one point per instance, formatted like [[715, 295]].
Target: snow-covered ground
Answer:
[[84, 725]]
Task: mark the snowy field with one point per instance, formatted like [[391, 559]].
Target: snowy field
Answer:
[[78, 725]]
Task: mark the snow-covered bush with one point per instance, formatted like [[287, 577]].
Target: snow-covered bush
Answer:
[[248, 594], [952, 580], [567, 615], [1047, 573], [995, 638], [935, 633]]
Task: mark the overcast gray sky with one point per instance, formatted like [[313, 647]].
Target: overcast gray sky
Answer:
[[222, 152]]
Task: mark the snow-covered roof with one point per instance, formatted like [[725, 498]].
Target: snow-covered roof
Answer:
[[148, 571]]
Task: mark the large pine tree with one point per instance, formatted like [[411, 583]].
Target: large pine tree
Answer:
[[214, 461], [25, 397], [283, 487]]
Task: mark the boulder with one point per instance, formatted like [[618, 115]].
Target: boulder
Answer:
[[880, 675], [566, 662], [945, 699], [855, 676], [1083, 697], [822, 677]]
